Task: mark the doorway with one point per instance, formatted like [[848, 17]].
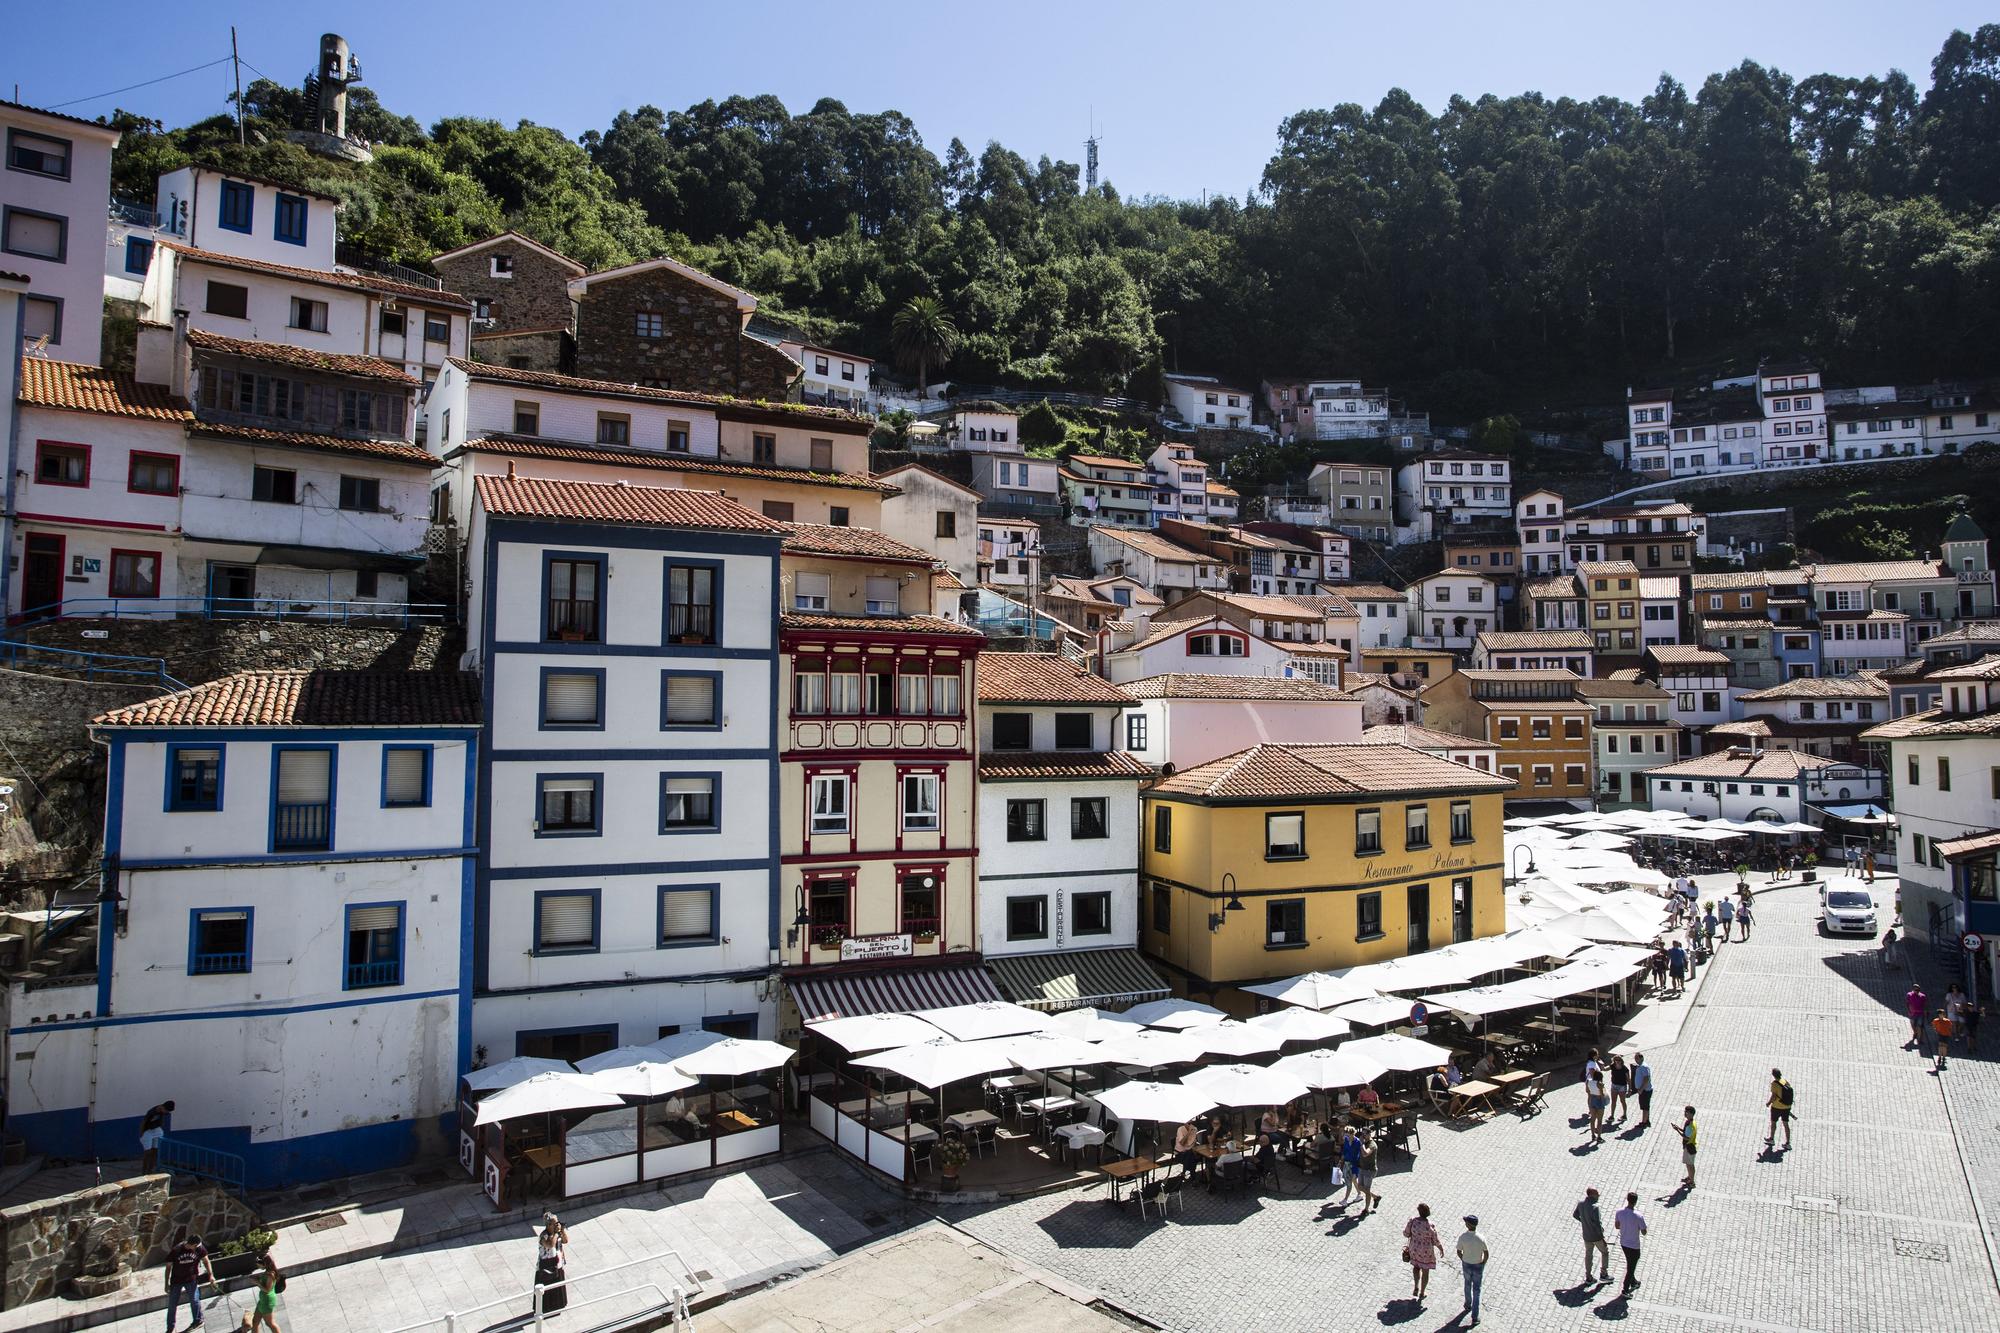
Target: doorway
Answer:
[[42, 575], [232, 589], [1419, 897]]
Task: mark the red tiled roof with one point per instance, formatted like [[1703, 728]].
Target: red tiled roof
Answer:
[[616, 502], [359, 282], [1192, 685], [1042, 678], [837, 624], [865, 543], [1293, 772], [1421, 738], [301, 358], [388, 451], [521, 446], [1517, 640], [1779, 765], [542, 379], [299, 698], [74, 388], [1951, 849], [1042, 767]]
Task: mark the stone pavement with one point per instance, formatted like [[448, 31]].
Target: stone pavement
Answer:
[[1868, 1223]]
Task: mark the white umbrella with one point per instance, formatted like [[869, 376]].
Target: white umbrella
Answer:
[[1095, 1024], [989, 1018], [1296, 1024], [1399, 1052], [624, 1057], [687, 1042], [1230, 1037], [1603, 842], [544, 1094], [1313, 990], [517, 1070], [733, 1055], [874, 1032], [1156, 1101], [1340, 1068], [1793, 828], [1604, 922], [1175, 1012], [646, 1078], [1053, 1050], [932, 1064], [1382, 1009], [1248, 1085], [1150, 1049]]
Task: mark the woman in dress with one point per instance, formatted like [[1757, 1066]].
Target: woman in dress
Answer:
[[552, 1263], [1421, 1249], [269, 1283]]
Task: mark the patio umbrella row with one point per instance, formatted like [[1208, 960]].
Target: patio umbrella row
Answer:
[[526, 1086]]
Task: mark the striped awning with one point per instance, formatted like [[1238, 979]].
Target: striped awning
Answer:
[[1079, 977], [888, 990]]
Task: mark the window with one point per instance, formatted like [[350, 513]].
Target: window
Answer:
[[194, 777], [884, 597], [218, 941], [1025, 821], [1285, 923], [62, 464], [138, 254], [1461, 821], [779, 510], [687, 914], [573, 699], [687, 802], [944, 694], [392, 322], [821, 456], [1416, 827], [1573, 774], [228, 299], [838, 516], [829, 803], [1510, 729], [572, 599], [1163, 829], [614, 428], [1135, 731], [38, 154], [1944, 774], [1028, 917], [912, 691], [35, 235], [1572, 728], [1090, 914], [482, 308], [920, 803], [153, 474], [1368, 916], [437, 328], [1086, 818], [1163, 909], [1367, 831], [1073, 731], [1217, 645], [566, 922], [291, 220], [308, 315], [302, 800], [648, 324], [691, 604], [500, 266], [238, 200], [763, 448], [1545, 775], [677, 437], [810, 592], [566, 804], [406, 775], [1012, 731], [690, 699], [1285, 836], [41, 317], [374, 946], [1539, 727], [361, 495]]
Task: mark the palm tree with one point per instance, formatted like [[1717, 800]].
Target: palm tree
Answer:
[[924, 337]]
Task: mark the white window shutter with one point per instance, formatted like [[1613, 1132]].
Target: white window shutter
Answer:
[[373, 918], [304, 776], [687, 914], [569, 697], [403, 777], [691, 699], [565, 920]]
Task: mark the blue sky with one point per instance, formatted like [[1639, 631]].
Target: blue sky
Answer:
[[1187, 97]]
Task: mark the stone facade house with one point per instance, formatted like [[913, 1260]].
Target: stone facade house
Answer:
[[519, 289], [663, 324]]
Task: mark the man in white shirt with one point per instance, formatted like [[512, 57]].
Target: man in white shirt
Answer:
[[1472, 1263], [1631, 1226]]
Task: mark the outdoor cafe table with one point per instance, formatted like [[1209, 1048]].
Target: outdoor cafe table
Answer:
[[1506, 1041], [1078, 1137], [914, 1132], [971, 1119], [1377, 1113], [1473, 1091], [1544, 1028], [1016, 1081], [1131, 1168], [1510, 1079], [1577, 1011], [1049, 1105]]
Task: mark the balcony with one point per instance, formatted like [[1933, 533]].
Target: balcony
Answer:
[[348, 256], [921, 927], [302, 827], [218, 964], [572, 619], [690, 623], [368, 976], [835, 733]]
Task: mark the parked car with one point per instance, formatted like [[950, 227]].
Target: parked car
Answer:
[[1847, 911]]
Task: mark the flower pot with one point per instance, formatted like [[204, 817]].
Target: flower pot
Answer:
[[236, 1265], [948, 1182], [1809, 876]]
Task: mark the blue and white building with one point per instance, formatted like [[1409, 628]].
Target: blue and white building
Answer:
[[282, 930]]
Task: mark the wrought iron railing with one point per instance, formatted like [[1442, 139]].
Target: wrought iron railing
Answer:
[[94, 666], [364, 976], [192, 1159], [224, 608], [303, 826]]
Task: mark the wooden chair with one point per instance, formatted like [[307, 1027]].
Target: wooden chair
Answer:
[[1534, 1095]]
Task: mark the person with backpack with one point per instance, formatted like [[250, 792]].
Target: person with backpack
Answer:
[[269, 1283], [1780, 1103]]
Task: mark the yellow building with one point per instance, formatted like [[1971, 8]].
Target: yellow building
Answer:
[[1611, 607], [1284, 859]]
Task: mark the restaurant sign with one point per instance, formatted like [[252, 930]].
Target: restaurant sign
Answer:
[[859, 948]]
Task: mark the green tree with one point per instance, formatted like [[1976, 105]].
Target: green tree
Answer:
[[925, 337], [1041, 428]]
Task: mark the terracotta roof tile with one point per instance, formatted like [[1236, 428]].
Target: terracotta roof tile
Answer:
[[1986, 668], [1946, 725], [1598, 688], [300, 698], [1042, 678], [301, 358], [1557, 585], [1610, 569], [1686, 654], [616, 502], [1951, 849], [825, 539], [1190, 685], [1291, 772], [1543, 639], [388, 451], [1739, 579], [1044, 767], [1099, 460], [1157, 547], [542, 379], [1861, 686], [1901, 728], [522, 446], [1368, 592], [804, 621], [1421, 738], [1777, 765], [75, 388], [1869, 571], [359, 282]]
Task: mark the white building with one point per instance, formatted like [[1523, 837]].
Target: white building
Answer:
[[1659, 610], [983, 428], [1853, 641], [1538, 521], [1383, 614], [1010, 552], [1180, 483], [1208, 643], [630, 877], [1534, 650], [1451, 609], [1203, 400], [1018, 484], [1698, 680], [933, 513], [833, 378], [1453, 487], [1750, 785], [53, 196], [290, 854], [1170, 571], [1794, 414], [1189, 717]]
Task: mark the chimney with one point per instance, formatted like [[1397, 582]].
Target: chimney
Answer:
[[510, 469], [178, 378]]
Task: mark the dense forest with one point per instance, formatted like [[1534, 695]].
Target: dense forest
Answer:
[[1515, 254]]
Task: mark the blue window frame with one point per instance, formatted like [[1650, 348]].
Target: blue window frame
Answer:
[[572, 699], [691, 802], [568, 921], [138, 254], [689, 915], [693, 602], [374, 946], [238, 204], [219, 941], [406, 776], [690, 701], [303, 782], [573, 596], [290, 224], [194, 777], [569, 805]]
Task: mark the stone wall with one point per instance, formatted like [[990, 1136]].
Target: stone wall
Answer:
[[701, 348], [546, 351], [536, 297], [124, 1227]]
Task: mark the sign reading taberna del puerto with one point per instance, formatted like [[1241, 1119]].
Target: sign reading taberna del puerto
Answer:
[[860, 948], [1449, 860]]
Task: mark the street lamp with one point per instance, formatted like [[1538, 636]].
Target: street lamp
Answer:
[[1235, 904], [1518, 849], [799, 919]]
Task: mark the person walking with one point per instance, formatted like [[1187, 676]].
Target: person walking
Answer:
[[1677, 966], [1596, 1099], [1642, 1087], [1954, 1007], [1364, 1175], [1350, 1167], [1941, 1038], [1693, 945], [1916, 1004], [187, 1266], [1708, 927], [1780, 1104], [1657, 964], [1631, 1224], [1725, 918], [552, 1264], [1591, 1219], [1686, 1129], [1420, 1251], [1472, 1265], [1850, 858], [270, 1282], [1868, 865], [1743, 916], [1969, 1014], [1889, 963]]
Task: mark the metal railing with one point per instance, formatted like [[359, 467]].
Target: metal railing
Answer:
[[231, 608], [672, 1302], [354, 258], [302, 826], [94, 666], [138, 214], [366, 976], [572, 618], [192, 1159], [218, 964]]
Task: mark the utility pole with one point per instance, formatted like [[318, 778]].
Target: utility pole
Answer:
[[236, 63]]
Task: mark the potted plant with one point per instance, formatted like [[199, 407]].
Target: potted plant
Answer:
[[1742, 875], [829, 937], [1811, 860], [242, 1256], [951, 1156]]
